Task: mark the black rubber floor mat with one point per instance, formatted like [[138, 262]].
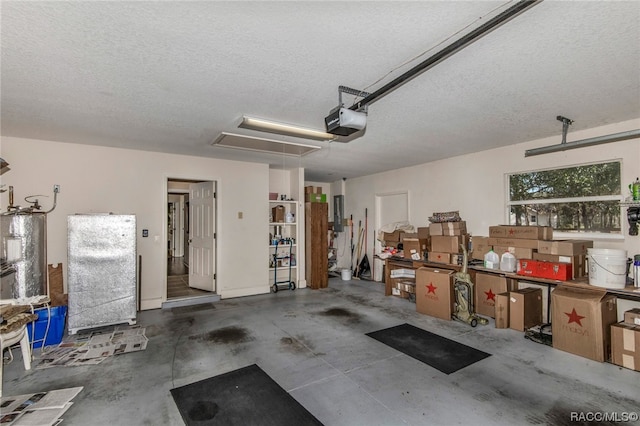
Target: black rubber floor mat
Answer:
[[247, 396], [439, 352]]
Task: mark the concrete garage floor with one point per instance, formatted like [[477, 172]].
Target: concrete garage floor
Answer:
[[313, 343]]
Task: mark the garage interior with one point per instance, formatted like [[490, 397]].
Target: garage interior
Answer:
[[259, 152]]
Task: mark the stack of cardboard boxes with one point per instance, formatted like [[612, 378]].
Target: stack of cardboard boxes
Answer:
[[446, 240], [625, 341], [584, 317], [537, 253], [520, 241], [414, 244], [403, 282], [519, 309], [487, 288], [313, 194], [572, 252]]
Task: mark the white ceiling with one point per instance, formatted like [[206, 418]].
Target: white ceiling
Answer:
[[171, 76]]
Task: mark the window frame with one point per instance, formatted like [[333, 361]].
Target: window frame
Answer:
[[619, 198]]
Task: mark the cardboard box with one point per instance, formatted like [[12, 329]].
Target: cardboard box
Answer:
[[502, 310], [540, 269], [525, 308], [423, 233], [513, 242], [434, 292], [578, 262], [309, 189], [518, 252], [402, 273], [439, 257], [625, 345], [393, 237], [582, 316], [414, 248], [277, 214], [448, 243], [408, 235], [479, 247], [487, 286], [565, 247], [632, 316], [435, 229], [315, 198], [448, 228], [521, 232], [407, 286]]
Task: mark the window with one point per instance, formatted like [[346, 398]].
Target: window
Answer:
[[579, 199]]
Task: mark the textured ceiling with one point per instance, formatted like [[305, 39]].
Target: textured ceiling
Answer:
[[171, 76]]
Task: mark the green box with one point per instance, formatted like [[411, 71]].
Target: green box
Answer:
[[317, 198]]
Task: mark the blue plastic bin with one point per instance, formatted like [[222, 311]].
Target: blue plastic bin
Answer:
[[56, 326]]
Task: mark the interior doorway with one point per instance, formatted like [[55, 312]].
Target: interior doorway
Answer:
[[191, 254]]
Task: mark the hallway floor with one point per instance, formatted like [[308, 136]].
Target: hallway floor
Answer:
[[178, 280], [313, 343]]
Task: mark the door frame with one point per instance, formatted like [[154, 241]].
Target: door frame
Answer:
[[165, 222]]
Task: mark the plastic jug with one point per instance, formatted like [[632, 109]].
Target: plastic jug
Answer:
[[289, 218], [491, 260], [507, 262]]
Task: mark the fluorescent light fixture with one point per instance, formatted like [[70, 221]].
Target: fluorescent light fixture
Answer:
[[284, 129], [269, 146]]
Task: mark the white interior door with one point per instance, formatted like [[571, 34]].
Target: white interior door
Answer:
[[202, 236]]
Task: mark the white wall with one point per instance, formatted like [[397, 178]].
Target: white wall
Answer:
[[475, 184], [98, 179]]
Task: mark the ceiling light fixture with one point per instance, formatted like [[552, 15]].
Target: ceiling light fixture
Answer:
[[284, 129], [268, 146]]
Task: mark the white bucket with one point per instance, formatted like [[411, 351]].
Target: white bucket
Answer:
[[346, 275], [607, 268]]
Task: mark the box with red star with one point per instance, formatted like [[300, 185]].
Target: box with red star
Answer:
[[521, 232], [487, 286], [434, 292], [438, 257], [581, 320]]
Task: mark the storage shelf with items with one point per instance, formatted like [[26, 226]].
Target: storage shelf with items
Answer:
[[332, 253], [283, 234], [403, 283]]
